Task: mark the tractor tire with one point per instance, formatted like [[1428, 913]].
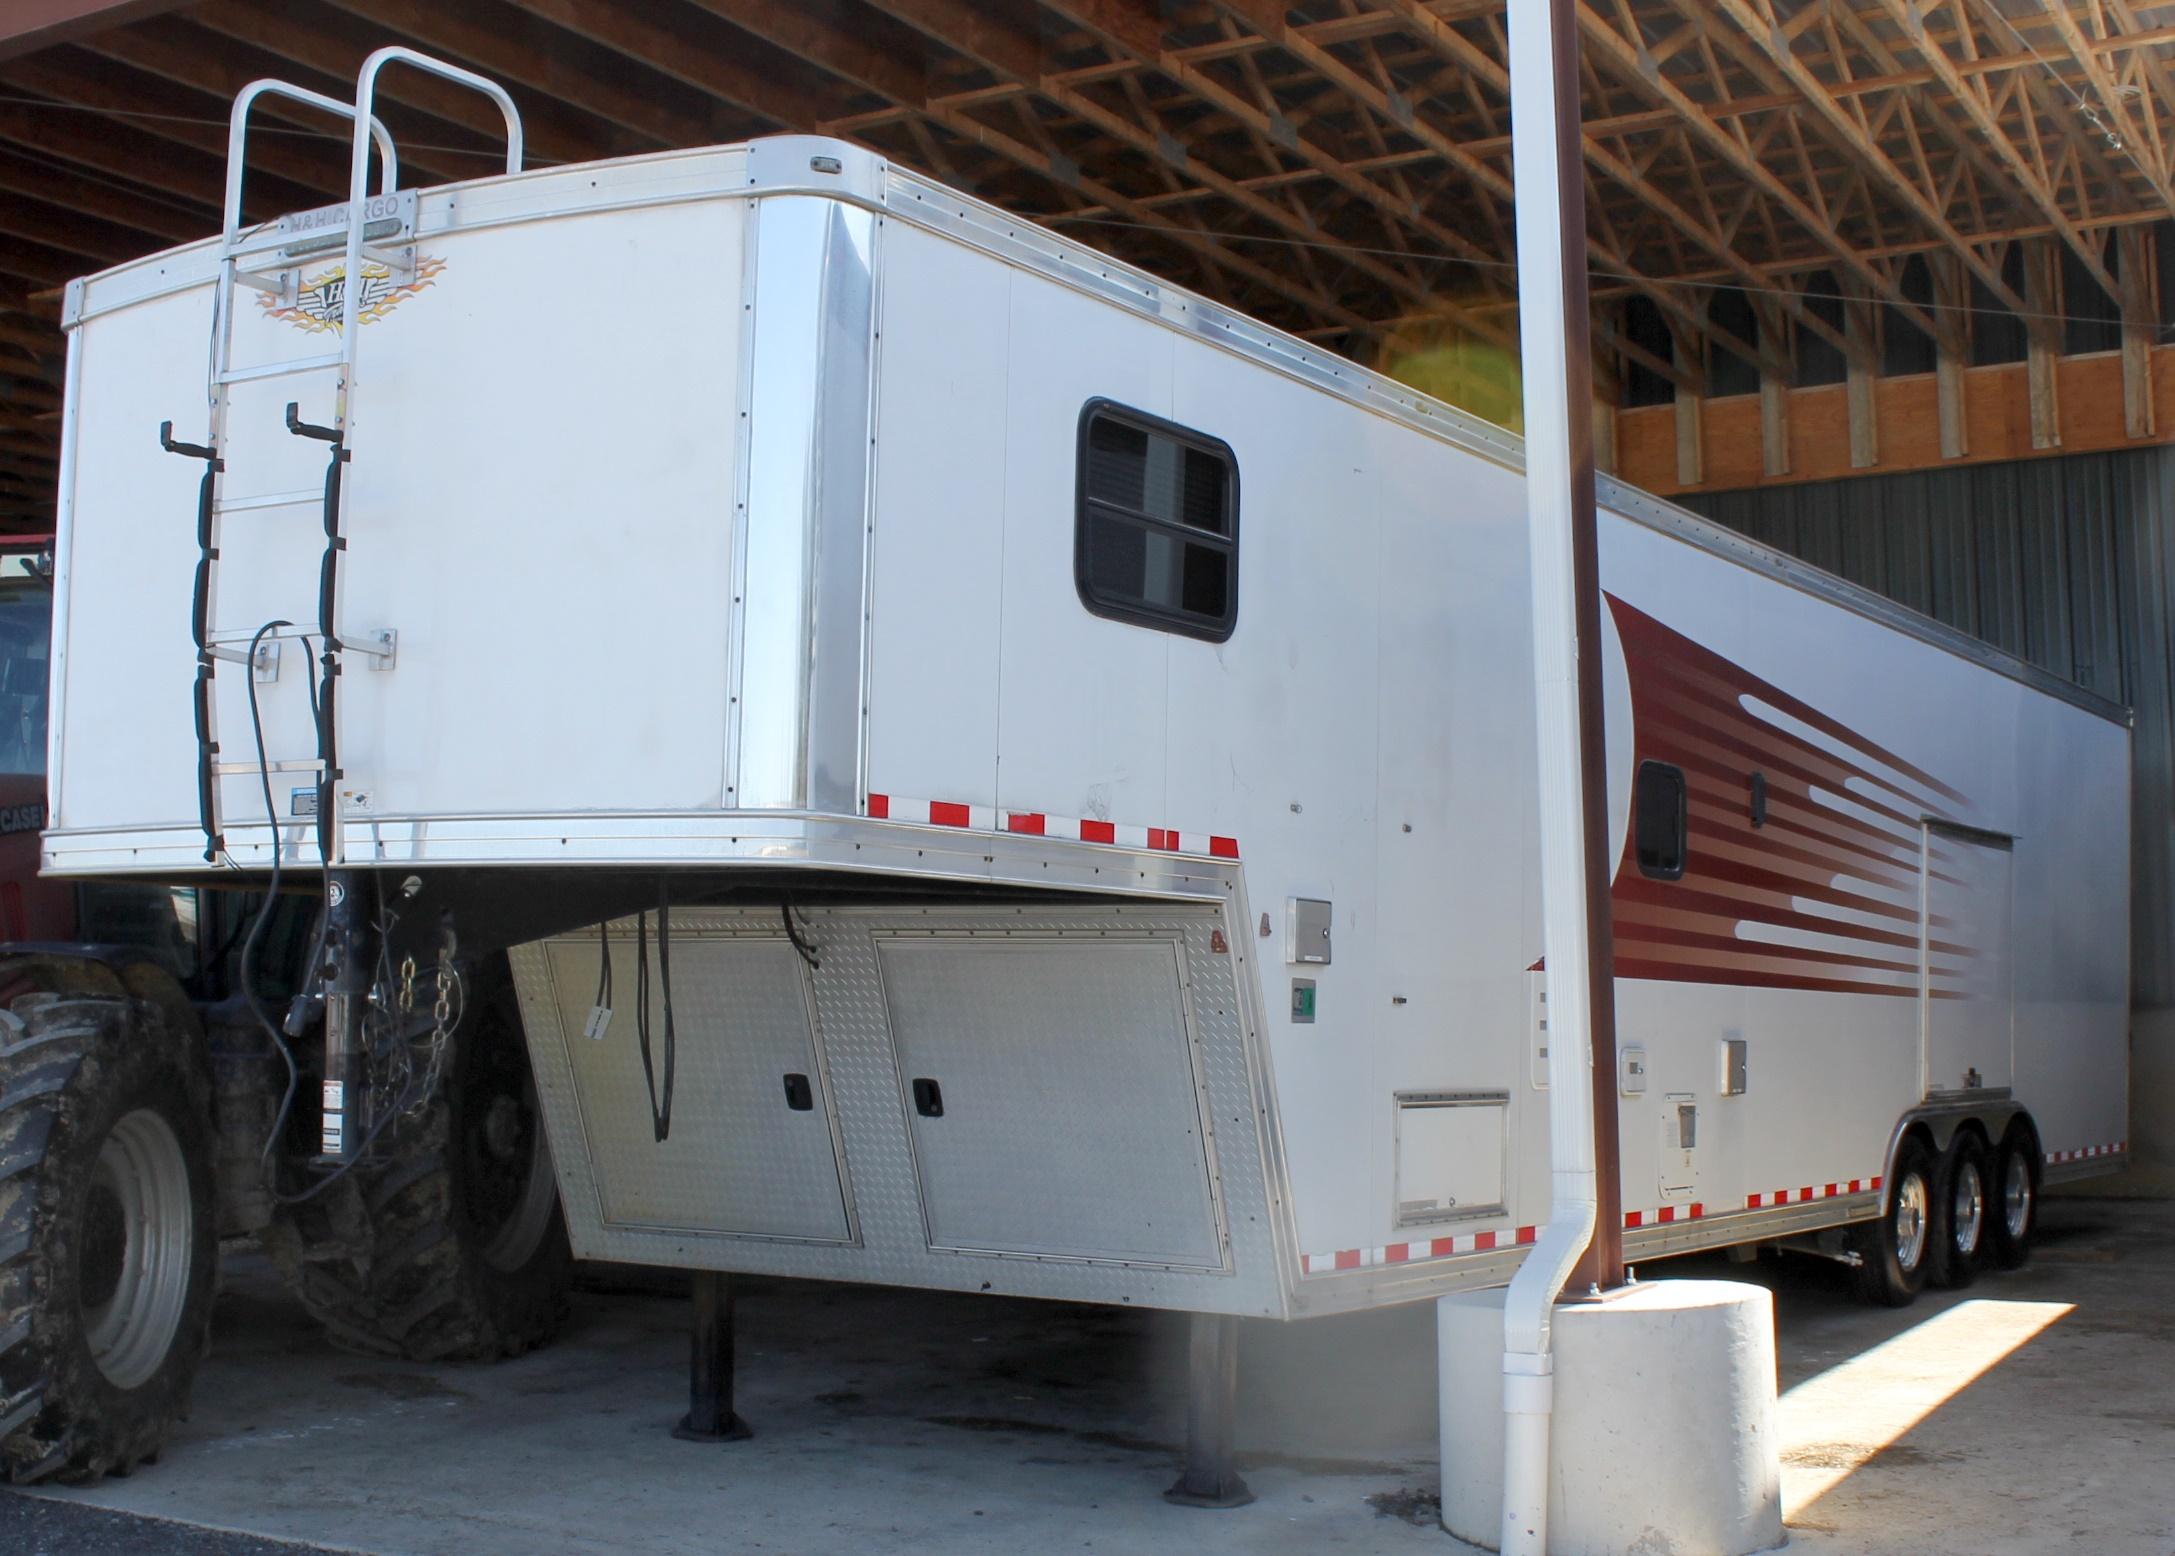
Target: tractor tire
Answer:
[[447, 1242], [108, 1232]]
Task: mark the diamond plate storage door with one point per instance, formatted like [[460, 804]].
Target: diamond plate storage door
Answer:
[[752, 1150], [1053, 1095]]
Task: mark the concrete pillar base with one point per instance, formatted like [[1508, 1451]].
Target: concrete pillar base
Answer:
[[1664, 1434]]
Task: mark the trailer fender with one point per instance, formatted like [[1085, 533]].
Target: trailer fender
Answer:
[[1937, 1124]]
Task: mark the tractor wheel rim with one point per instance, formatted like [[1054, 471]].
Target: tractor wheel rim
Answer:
[[1967, 1209], [130, 1329], [2016, 1199], [1911, 1202]]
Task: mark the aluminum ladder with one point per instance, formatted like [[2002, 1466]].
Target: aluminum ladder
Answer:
[[269, 257]]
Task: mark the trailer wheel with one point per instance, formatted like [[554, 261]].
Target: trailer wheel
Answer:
[[108, 1233], [2015, 1209], [1962, 1207], [1894, 1251], [448, 1243]]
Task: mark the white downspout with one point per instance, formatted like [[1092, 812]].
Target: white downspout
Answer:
[[1528, 1383]]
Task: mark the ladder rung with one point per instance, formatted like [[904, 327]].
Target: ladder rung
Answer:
[[312, 765], [314, 495], [245, 634], [243, 375]]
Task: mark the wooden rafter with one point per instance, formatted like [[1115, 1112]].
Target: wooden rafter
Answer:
[[1973, 98], [2111, 100]]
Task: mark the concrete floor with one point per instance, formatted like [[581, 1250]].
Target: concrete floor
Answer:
[[2033, 1413]]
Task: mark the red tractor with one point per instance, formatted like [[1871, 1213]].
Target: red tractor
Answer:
[[148, 1108]]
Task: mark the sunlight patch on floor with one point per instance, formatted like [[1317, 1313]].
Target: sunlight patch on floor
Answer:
[[1835, 1421]]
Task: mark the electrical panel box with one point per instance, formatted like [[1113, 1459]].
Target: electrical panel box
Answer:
[[1679, 1139], [1733, 1078], [1631, 1071], [1308, 942]]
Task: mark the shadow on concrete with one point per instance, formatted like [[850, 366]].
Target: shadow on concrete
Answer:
[[917, 1421]]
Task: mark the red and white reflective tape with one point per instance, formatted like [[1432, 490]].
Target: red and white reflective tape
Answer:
[[1414, 1252], [1662, 1217], [1472, 1242], [1035, 823], [1812, 1191], [2087, 1153]]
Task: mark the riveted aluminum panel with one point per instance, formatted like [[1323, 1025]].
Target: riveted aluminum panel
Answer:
[[866, 1091], [737, 1158], [1071, 1117]]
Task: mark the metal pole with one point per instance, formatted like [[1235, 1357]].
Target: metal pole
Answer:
[[1210, 1477], [710, 1417]]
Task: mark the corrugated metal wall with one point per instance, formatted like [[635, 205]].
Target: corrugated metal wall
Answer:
[[2066, 562]]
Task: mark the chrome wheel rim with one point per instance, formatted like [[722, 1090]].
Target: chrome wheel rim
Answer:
[[2016, 1198], [1967, 1208], [133, 1265], [1911, 1202]]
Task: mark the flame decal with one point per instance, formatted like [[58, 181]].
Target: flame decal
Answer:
[[1825, 896], [316, 309]]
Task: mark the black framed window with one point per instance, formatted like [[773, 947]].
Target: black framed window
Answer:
[[1156, 541], [1659, 814]]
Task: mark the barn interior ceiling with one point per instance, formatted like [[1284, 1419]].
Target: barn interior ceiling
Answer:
[[1780, 193]]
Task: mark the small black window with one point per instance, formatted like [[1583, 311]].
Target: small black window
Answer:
[[1658, 820], [1157, 541]]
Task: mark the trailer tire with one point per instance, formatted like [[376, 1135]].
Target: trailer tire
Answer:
[[2015, 1198], [448, 1243], [1894, 1250], [108, 1232], [1962, 1206]]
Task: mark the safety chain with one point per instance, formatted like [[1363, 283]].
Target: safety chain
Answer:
[[441, 1025], [442, 1011]]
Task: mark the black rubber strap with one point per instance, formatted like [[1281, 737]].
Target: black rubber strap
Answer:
[[328, 588], [207, 747]]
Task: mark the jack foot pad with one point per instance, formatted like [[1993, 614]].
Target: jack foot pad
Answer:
[[1231, 1492], [735, 1431]]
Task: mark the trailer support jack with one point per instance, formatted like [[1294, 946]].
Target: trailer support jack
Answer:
[[710, 1417], [1210, 1478]]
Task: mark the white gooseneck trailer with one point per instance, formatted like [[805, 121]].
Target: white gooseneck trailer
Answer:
[[1052, 756]]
